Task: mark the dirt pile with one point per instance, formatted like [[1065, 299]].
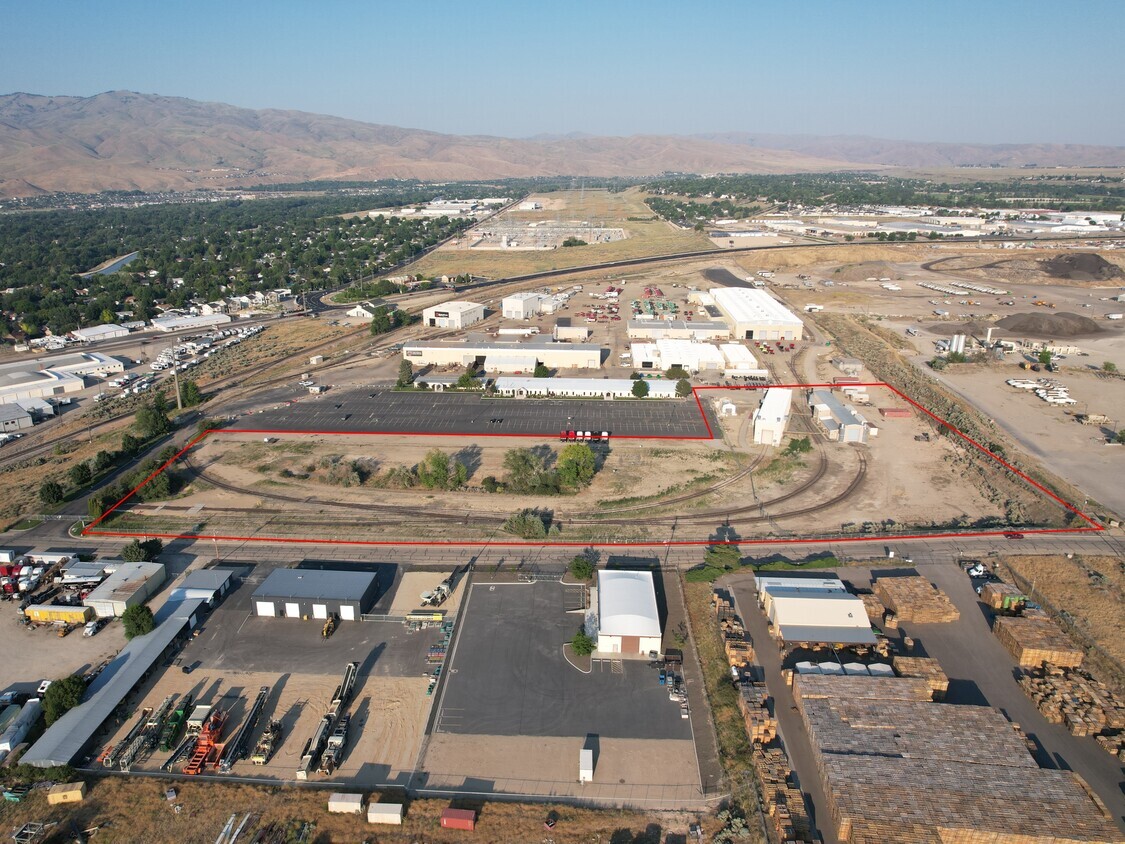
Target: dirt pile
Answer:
[[1081, 266], [1049, 326]]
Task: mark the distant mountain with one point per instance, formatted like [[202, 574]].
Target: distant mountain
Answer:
[[125, 141], [879, 151]]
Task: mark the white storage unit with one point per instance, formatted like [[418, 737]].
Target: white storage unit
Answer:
[[772, 416], [586, 765], [21, 725], [455, 314], [521, 305], [345, 804], [388, 813], [184, 323], [591, 388]]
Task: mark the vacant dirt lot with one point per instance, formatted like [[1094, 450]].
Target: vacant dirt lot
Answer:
[[34, 654]]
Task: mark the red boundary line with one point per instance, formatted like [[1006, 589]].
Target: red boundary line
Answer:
[[1091, 525]]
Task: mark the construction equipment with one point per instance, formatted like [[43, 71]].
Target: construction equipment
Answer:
[[145, 740], [325, 729], [238, 746], [170, 734], [263, 750], [334, 750], [329, 626], [111, 757], [344, 691], [439, 595], [207, 743]]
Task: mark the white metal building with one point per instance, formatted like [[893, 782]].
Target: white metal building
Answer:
[[565, 329], [364, 310], [99, 332], [128, 585], [592, 388], [677, 329], [664, 354], [741, 363], [476, 352], [14, 418], [819, 610], [184, 323], [755, 315], [772, 416], [628, 620], [840, 422], [455, 314], [521, 305], [314, 593]]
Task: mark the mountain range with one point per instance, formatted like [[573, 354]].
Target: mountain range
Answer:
[[120, 140]]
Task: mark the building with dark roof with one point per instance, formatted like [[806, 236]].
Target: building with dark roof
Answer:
[[314, 593]]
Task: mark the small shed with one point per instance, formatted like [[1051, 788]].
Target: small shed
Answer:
[[342, 803], [586, 765], [388, 813], [459, 819], [66, 792]]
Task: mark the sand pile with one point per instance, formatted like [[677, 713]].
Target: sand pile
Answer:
[[1049, 326], [1081, 266]]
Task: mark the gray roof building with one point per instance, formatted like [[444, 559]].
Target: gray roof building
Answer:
[[315, 593]]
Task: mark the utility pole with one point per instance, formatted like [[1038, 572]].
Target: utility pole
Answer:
[[176, 379]]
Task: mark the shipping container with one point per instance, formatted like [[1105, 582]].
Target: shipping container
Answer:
[[388, 813], [59, 613], [347, 804], [459, 819]]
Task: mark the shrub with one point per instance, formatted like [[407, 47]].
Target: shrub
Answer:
[[530, 524], [51, 492], [137, 620], [581, 567], [582, 644]]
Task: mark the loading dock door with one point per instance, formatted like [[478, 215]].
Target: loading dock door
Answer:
[[266, 608], [292, 610], [630, 644], [347, 613], [320, 611]]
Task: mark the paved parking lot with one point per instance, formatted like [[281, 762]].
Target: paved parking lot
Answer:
[[389, 412], [508, 676]]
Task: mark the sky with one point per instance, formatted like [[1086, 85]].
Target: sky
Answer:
[[997, 71]]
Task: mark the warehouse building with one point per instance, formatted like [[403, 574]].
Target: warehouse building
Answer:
[[128, 585], [185, 323], [665, 354], [814, 611], [741, 363], [52, 376], [73, 735], [628, 620], [840, 422], [14, 418], [521, 305], [772, 416], [588, 388], [454, 314], [494, 356], [755, 315], [676, 329], [566, 330], [95, 333], [314, 593], [208, 585]]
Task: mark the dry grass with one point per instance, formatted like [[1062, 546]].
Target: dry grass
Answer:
[[135, 810], [645, 238], [1088, 589]]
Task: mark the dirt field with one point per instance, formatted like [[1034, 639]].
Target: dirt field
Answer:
[[34, 654], [627, 770], [133, 809]]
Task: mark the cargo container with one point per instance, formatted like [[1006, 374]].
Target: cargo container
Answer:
[[459, 819], [345, 804], [388, 813], [64, 613], [66, 792]]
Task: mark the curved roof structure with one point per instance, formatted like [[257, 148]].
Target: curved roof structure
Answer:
[[627, 604]]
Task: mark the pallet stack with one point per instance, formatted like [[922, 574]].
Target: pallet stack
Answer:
[[1033, 641], [740, 651], [1087, 707], [785, 804], [1003, 597], [926, 669], [915, 599], [753, 702], [722, 604], [875, 609]]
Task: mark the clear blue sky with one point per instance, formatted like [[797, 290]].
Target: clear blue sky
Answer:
[[959, 70]]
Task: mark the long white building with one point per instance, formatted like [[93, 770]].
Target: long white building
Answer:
[[503, 357], [755, 315], [741, 363], [587, 388], [772, 416], [664, 354], [52, 376], [183, 323]]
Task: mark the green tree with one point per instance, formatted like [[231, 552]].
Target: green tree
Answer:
[[102, 461], [640, 389], [151, 420], [581, 567], [675, 373], [582, 644], [799, 446], [1109, 366], [386, 318], [438, 471], [107, 315], [80, 474], [542, 371], [1045, 357], [955, 357], [683, 388], [130, 445], [137, 621], [938, 364], [1121, 436], [190, 394], [133, 553], [725, 557], [573, 241], [468, 379], [576, 465], [525, 470], [405, 373], [51, 492], [62, 696]]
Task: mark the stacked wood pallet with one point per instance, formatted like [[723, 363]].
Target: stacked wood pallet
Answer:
[[1033, 641], [1072, 697], [875, 609], [753, 701], [926, 669], [785, 804], [1113, 744], [739, 652], [915, 599], [723, 604], [1003, 596]]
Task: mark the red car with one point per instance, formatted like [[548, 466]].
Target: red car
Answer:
[[1013, 535]]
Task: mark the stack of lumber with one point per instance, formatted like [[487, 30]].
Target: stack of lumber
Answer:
[[785, 804], [926, 669], [1086, 706], [722, 604], [753, 701], [1003, 596], [915, 599], [739, 651], [875, 609], [1033, 641], [1113, 744]]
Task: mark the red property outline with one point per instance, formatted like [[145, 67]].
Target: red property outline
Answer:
[[1090, 526]]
